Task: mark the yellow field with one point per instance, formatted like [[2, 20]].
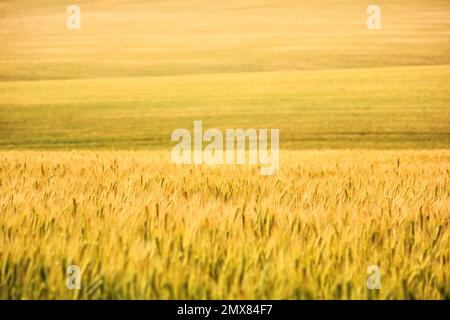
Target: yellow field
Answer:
[[86, 118], [141, 227]]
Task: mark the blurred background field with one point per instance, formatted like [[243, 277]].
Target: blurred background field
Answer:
[[139, 69]]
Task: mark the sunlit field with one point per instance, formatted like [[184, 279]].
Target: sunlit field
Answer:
[[86, 178], [141, 227], [139, 69]]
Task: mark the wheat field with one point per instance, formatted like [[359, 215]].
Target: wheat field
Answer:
[[140, 227], [86, 178]]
